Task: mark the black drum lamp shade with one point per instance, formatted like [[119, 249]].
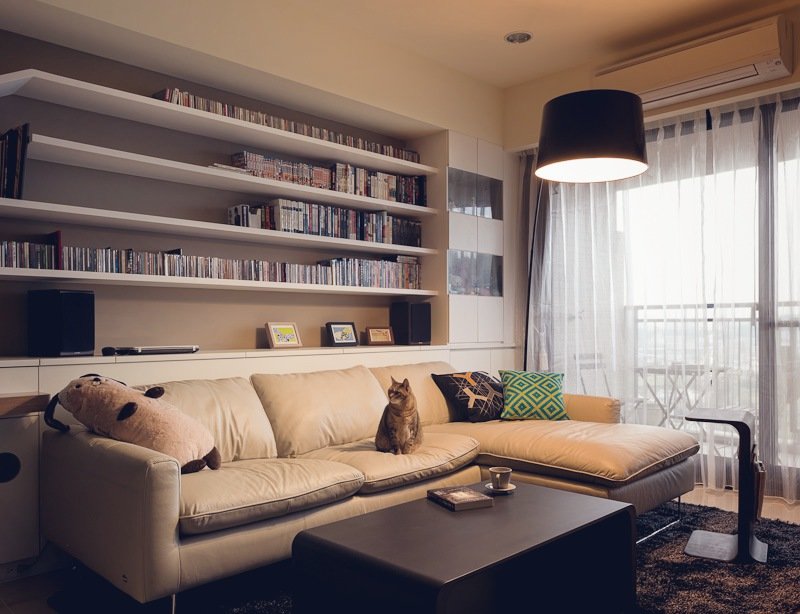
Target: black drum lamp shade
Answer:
[[592, 135]]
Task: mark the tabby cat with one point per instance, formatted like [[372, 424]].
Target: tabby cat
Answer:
[[399, 431]]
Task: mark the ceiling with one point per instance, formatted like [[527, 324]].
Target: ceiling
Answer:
[[452, 49], [467, 35]]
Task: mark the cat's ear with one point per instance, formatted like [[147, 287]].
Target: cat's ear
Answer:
[[394, 381], [406, 384]]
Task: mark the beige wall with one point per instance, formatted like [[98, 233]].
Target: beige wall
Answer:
[[278, 54], [523, 103]]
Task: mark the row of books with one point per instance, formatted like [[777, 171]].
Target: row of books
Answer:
[[28, 255], [409, 189], [300, 173], [187, 99], [398, 272], [327, 221], [13, 150], [395, 272], [375, 184]]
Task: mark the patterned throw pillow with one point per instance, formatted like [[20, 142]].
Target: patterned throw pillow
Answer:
[[529, 395], [477, 396]]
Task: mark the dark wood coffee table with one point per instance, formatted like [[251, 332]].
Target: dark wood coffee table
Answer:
[[540, 547]]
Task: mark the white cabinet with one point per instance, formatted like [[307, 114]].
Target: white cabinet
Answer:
[[463, 232], [19, 461], [463, 319], [489, 236], [19, 488], [474, 155], [477, 240], [490, 160], [490, 318], [462, 152]]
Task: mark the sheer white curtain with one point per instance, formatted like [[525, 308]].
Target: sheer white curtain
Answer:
[[785, 245], [653, 288]]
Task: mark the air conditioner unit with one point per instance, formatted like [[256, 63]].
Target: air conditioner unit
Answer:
[[755, 53]]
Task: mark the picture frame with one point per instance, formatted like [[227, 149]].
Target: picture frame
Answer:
[[380, 335], [341, 334], [283, 335]]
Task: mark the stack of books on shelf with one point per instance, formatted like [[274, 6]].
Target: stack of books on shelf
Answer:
[[375, 184], [13, 150], [400, 272], [346, 178], [187, 99], [300, 173], [393, 272], [27, 255], [327, 221]]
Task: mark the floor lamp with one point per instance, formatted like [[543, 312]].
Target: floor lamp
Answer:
[[585, 137]]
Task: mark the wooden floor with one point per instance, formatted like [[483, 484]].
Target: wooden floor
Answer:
[[29, 595]]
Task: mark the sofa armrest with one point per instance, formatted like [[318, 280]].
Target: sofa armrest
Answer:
[[592, 409], [114, 506]]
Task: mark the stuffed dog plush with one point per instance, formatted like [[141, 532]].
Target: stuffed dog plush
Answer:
[[113, 409]]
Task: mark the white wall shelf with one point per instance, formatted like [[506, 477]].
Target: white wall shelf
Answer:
[[123, 220], [86, 214], [125, 279], [125, 105], [60, 151]]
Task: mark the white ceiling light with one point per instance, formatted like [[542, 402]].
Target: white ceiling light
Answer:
[[518, 37]]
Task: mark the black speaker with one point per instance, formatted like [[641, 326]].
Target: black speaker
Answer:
[[411, 323], [60, 322]]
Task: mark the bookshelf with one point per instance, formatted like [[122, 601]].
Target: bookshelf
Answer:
[[125, 105], [101, 218], [60, 151], [81, 128], [120, 105], [124, 279]]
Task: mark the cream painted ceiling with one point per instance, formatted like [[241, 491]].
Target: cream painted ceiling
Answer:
[[467, 35], [464, 76]]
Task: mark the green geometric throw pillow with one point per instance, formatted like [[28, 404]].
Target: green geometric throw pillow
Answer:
[[528, 395]]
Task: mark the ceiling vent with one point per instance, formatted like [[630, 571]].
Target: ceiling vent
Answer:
[[755, 53]]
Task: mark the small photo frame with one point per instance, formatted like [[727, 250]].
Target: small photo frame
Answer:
[[380, 335], [341, 333], [283, 335]]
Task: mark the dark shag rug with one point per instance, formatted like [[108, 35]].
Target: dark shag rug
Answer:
[[668, 581]]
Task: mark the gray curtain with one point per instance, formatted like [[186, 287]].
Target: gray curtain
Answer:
[[536, 203]]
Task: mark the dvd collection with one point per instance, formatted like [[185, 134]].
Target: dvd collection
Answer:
[[400, 272], [408, 189], [187, 99], [327, 221], [27, 255]]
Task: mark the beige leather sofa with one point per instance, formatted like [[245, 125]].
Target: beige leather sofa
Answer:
[[297, 452]]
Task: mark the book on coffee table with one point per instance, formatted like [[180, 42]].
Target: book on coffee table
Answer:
[[459, 498]]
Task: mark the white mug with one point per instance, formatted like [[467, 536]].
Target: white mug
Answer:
[[501, 477]]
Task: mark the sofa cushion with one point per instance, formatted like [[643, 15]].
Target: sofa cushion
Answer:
[[313, 410], [231, 410], [439, 454], [476, 396], [528, 395], [248, 491], [607, 454], [432, 406]]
